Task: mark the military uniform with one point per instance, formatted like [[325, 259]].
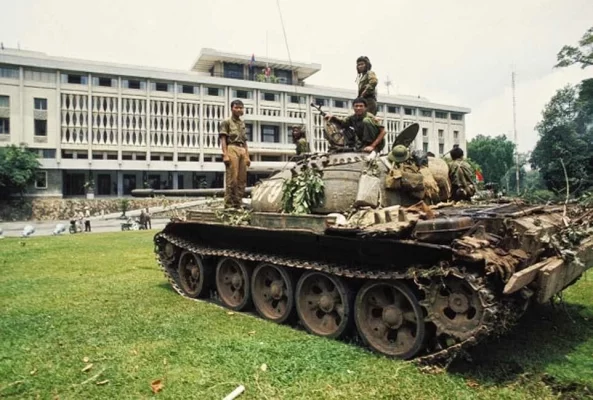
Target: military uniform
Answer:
[[462, 184], [366, 128], [302, 146], [236, 170], [368, 83]]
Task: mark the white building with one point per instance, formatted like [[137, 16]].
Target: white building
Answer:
[[126, 127]]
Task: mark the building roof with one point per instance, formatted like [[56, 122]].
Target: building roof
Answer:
[[208, 57]]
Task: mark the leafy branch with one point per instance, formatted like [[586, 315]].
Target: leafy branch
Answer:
[[303, 192]]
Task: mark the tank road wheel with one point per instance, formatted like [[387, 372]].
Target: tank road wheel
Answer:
[[455, 308], [272, 289], [232, 283], [389, 319], [193, 275], [323, 304]]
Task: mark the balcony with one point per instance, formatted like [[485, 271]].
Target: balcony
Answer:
[[257, 77]]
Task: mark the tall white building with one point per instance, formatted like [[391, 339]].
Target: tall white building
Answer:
[[127, 127]]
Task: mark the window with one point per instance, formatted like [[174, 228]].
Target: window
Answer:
[[424, 132], [108, 82], [40, 127], [284, 76], [41, 180], [40, 104], [393, 109], [74, 79], [409, 111], [126, 157], [40, 76], [456, 117], [5, 126], [188, 89], [167, 158], [213, 91], [67, 154], [441, 134], [425, 147], [271, 158], [270, 96], [440, 114], [97, 156], [270, 134], [112, 156], [456, 135], [426, 113], [297, 99], [48, 153], [134, 84], [141, 157], [242, 94], [10, 73], [4, 101], [249, 132], [339, 104], [155, 157], [233, 71], [320, 101], [161, 87], [441, 149]]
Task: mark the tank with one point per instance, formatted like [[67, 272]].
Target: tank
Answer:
[[410, 276]]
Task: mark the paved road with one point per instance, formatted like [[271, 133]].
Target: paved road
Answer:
[[44, 228]]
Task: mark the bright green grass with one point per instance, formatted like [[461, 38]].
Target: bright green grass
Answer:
[[101, 296]]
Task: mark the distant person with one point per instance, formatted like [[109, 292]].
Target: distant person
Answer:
[[299, 138], [367, 83], [235, 155], [87, 219], [147, 219], [461, 175]]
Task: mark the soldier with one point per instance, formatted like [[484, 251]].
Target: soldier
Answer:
[[461, 175], [235, 155], [367, 83], [369, 133], [300, 139]]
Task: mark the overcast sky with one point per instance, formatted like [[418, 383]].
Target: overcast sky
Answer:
[[454, 52]]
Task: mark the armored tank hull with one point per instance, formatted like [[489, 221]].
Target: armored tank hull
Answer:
[[411, 281]]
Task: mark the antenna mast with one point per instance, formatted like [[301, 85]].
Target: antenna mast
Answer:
[[515, 131], [388, 83]]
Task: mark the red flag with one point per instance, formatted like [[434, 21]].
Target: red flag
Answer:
[[479, 177]]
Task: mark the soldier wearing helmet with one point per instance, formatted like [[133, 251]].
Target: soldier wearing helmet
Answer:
[[299, 138], [367, 83]]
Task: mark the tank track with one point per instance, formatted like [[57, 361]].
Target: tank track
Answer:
[[424, 278]]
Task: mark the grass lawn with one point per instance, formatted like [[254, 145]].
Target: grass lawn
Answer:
[[101, 297]]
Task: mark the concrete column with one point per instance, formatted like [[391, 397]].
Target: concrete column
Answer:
[[58, 118], [120, 183], [175, 181], [201, 126], [21, 135]]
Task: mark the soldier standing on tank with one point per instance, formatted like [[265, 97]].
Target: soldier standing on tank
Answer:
[[235, 155], [461, 176], [369, 133], [299, 138], [367, 83]]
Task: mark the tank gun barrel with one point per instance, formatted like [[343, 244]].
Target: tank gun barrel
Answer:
[[216, 192]]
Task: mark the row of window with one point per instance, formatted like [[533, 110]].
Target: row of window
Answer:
[[441, 134], [38, 103]]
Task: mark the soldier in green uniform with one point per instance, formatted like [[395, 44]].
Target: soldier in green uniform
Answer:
[[367, 83], [299, 138], [369, 133], [235, 155], [461, 175]]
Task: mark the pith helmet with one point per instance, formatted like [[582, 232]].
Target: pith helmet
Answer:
[[399, 154]]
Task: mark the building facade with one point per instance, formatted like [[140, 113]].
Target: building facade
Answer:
[[125, 127]]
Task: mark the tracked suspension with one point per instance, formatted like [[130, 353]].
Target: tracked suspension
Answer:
[[461, 321]]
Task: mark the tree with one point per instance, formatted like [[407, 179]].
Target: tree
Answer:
[[18, 168], [583, 54], [493, 154], [562, 137]]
